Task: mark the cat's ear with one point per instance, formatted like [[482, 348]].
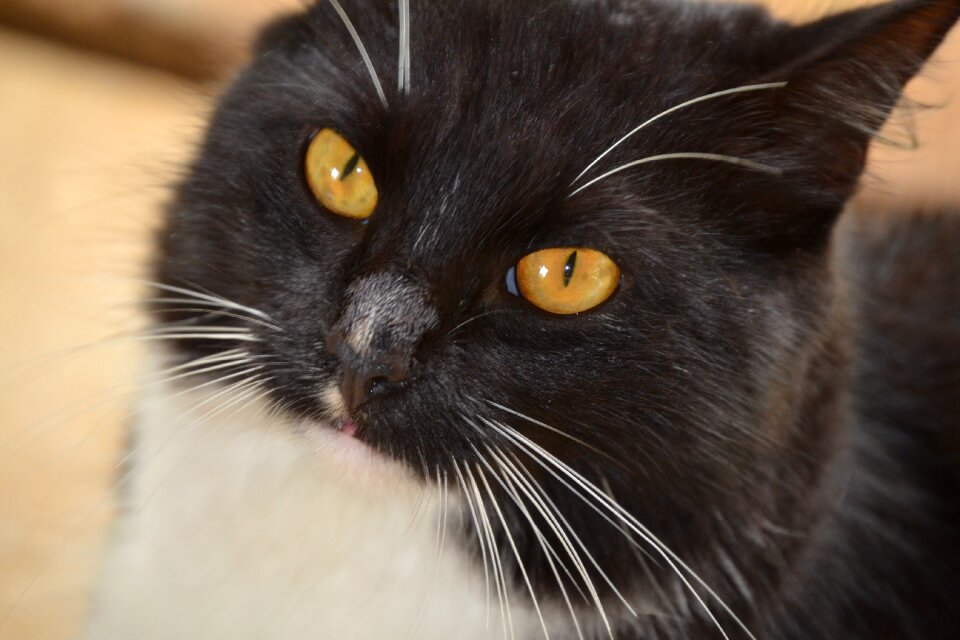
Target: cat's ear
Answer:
[[845, 74]]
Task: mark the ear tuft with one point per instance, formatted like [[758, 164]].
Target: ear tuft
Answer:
[[860, 61], [845, 74]]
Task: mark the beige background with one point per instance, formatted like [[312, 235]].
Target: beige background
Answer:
[[88, 141]]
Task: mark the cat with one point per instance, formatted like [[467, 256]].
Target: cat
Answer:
[[549, 319]]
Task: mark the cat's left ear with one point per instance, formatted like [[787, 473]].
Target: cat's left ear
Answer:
[[844, 74]]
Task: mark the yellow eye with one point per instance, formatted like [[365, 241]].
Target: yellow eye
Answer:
[[339, 177], [567, 281]]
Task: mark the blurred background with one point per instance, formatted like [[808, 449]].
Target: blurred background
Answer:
[[100, 102]]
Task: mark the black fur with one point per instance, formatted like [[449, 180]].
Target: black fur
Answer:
[[782, 415]]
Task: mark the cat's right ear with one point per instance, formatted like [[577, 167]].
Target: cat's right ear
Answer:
[[845, 74]]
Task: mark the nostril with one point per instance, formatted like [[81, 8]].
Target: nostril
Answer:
[[367, 372], [357, 388]]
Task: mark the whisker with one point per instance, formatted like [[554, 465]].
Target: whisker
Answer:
[[165, 330], [476, 317], [511, 478], [496, 561], [683, 105], [439, 514], [540, 455], [517, 480], [246, 388], [83, 521], [221, 301], [162, 379], [230, 388], [446, 512], [549, 510], [548, 507], [513, 545], [551, 507], [480, 537], [550, 553], [46, 425], [211, 310], [234, 387], [547, 427], [235, 337], [403, 71], [714, 157], [363, 51]]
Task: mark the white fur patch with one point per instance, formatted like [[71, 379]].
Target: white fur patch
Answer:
[[235, 528]]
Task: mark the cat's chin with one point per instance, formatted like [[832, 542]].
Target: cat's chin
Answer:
[[343, 454]]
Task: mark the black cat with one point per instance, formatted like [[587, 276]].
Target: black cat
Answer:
[[566, 273]]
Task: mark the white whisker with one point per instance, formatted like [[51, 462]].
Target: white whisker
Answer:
[[496, 560], [189, 369], [445, 506], [439, 514], [550, 512], [513, 545], [245, 388], [517, 480], [166, 329], [474, 318], [403, 65], [564, 539], [715, 157], [363, 51], [545, 426], [478, 529], [559, 523], [233, 387], [551, 554], [223, 302], [82, 522], [683, 105], [246, 372], [204, 308], [236, 337], [540, 455]]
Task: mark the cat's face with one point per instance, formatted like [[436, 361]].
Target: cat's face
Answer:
[[696, 393]]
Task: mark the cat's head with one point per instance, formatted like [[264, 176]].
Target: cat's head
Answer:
[[529, 245]]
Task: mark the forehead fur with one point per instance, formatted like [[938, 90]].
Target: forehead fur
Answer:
[[509, 102]]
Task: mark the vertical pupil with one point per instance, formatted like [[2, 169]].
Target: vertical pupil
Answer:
[[569, 268], [350, 166]]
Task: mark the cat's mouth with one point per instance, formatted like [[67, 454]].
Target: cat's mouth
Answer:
[[343, 422], [348, 427], [340, 440]]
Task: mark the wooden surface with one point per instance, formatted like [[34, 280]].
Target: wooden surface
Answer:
[[87, 147], [88, 143]]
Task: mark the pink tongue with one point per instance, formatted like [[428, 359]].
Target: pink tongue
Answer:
[[349, 428]]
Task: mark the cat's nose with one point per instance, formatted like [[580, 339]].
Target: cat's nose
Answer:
[[384, 320], [361, 375]]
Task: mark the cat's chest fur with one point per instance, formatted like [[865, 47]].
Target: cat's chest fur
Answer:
[[232, 529]]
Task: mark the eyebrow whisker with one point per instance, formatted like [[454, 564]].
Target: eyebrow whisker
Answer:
[[714, 157], [362, 49], [682, 105]]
